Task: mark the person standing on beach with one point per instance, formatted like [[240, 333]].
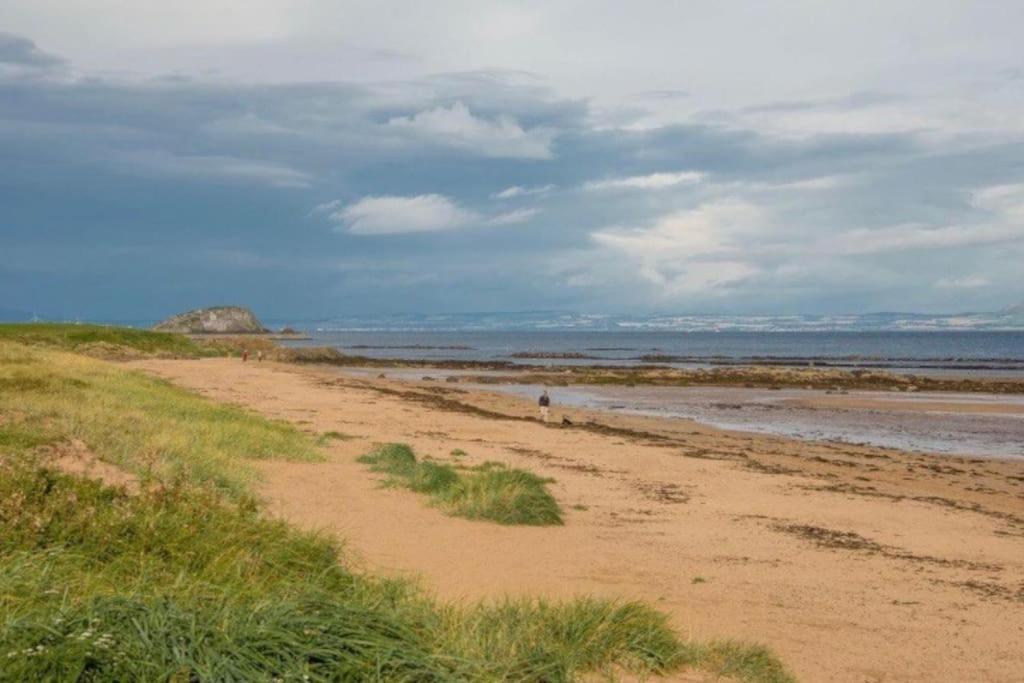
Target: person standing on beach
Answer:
[[245, 355], [545, 405], [259, 356]]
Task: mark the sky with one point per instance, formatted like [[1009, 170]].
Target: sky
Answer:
[[313, 159]]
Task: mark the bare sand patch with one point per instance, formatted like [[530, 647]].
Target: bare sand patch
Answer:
[[74, 457]]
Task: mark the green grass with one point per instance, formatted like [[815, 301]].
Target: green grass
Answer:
[[97, 584], [142, 424], [328, 437], [103, 340], [491, 491], [187, 580]]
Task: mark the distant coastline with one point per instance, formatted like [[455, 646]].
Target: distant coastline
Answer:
[[1008, 319]]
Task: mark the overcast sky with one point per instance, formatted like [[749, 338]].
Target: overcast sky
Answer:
[[315, 158]]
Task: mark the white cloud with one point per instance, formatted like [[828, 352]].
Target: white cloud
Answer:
[[219, 167], [519, 191], [826, 182], [327, 208], [1003, 203], [720, 246], [686, 252], [1007, 200], [968, 282], [654, 181], [708, 229], [456, 126], [916, 236], [511, 217], [392, 215], [395, 215]]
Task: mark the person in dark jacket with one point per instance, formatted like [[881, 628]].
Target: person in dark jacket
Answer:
[[545, 405]]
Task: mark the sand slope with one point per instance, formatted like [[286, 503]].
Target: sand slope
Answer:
[[854, 564]]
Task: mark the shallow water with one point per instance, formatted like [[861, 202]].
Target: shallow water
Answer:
[[989, 434], [993, 428]]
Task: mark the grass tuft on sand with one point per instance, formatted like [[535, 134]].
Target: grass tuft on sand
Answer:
[[491, 492]]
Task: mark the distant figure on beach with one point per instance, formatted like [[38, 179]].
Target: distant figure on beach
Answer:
[[259, 356], [245, 355], [545, 405]]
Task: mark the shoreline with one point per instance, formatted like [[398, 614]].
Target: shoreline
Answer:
[[940, 423], [768, 376], [929, 423], [757, 374], [895, 566]]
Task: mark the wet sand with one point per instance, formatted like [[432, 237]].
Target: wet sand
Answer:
[[854, 563]]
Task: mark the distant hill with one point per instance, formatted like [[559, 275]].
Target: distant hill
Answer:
[[1008, 319], [215, 320]]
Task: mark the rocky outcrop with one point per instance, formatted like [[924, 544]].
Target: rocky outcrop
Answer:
[[216, 320]]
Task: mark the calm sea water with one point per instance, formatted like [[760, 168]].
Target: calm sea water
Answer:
[[967, 352]]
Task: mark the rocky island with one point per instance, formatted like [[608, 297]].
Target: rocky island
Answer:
[[214, 320]]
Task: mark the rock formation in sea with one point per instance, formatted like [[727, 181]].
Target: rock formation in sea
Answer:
[[215, 320]]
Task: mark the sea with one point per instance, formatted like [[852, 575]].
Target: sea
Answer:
[[967, 353]]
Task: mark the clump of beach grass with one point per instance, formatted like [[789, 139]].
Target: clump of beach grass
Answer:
[[492, 491], [332, 435]]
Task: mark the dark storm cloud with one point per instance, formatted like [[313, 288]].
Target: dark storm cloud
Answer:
[[18, 50]]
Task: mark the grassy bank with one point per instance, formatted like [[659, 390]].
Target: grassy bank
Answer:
[[185, 580], [491, 492], [139, 423], [104, 341]]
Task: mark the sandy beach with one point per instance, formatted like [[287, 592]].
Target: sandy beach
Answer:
[[853, 563]]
